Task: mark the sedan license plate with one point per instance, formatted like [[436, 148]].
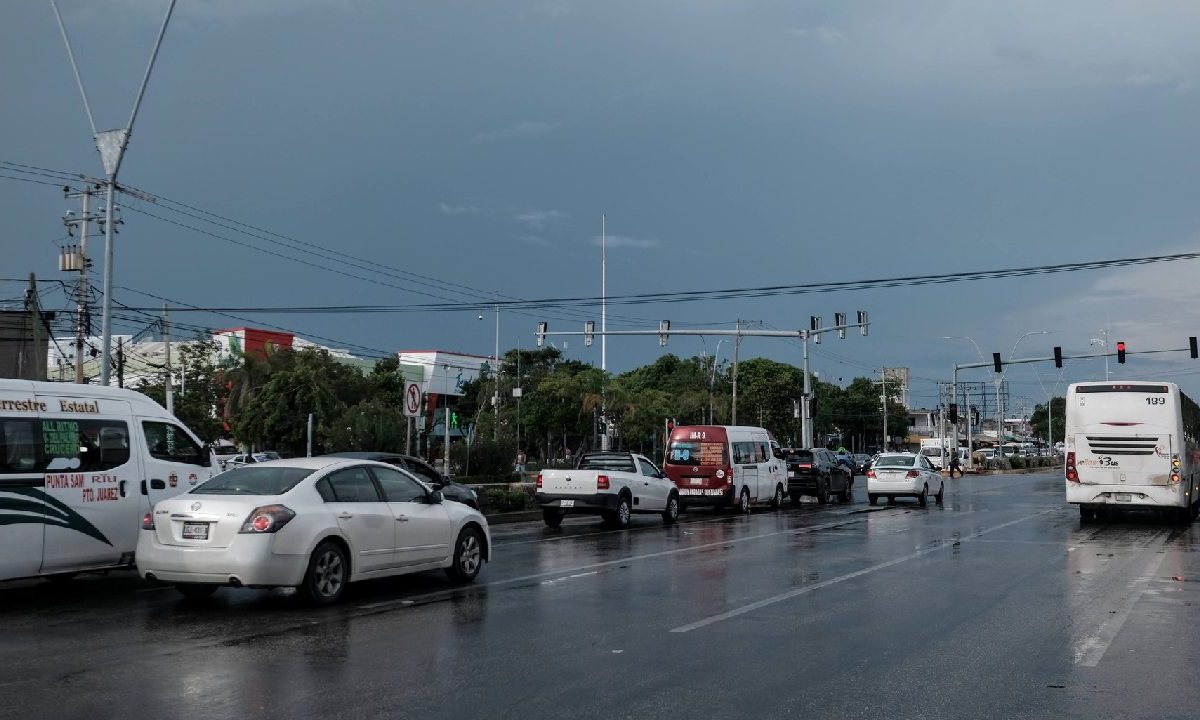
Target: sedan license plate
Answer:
[[566, 503], [1124, 497], [195, 531]]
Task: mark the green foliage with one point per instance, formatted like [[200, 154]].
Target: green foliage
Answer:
[[371, 425], [506, 500], [487, 457], [1058, 406], [198, 393]]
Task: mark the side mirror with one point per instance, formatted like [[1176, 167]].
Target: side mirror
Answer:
[[434, 498]]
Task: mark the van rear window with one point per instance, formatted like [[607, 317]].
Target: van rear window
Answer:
[[697, 452]]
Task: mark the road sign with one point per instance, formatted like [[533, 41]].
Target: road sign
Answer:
[[412, 399]]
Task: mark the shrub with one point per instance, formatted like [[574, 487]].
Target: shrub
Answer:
[[505, 500]]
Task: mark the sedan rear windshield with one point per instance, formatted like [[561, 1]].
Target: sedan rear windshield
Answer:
[[895, 461], [251, 480], [800, 456]]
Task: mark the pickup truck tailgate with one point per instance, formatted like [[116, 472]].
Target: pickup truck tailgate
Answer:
[[569, 482]]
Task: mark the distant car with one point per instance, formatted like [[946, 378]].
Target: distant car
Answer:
[[846, 460], [425, 472], [315, 524], [250, 459], [896, 475], [863, 461], [818, 473]]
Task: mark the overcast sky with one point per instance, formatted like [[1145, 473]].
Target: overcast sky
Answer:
[[730, 143]]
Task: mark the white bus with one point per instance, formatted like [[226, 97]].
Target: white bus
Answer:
[[1132, 444]]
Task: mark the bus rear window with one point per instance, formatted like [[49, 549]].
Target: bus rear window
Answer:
[[697, 452]]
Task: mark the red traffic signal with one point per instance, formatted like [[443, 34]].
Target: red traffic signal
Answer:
[[1120, 351]]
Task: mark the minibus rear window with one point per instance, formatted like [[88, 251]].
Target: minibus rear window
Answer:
[[697, 452]]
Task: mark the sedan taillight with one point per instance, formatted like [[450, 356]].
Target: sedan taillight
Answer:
[[913, 474], [148, 521], [267, 519], [870, 473]]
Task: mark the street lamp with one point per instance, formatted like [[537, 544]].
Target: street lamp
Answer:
[[496, 393], [1103, 342], [1000, 381], [713, 379], [970, 415]]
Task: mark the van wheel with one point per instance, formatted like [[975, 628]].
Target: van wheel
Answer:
[[327, 575], [744, 502], [671, 513], [923, 498], [196, 591], [777, 501], [553, 518]]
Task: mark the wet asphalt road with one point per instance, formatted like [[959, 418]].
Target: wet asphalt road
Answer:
[[997, 604]]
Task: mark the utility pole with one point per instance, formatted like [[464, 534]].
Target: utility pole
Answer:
[[120, 362], [806, 429], [75, 259], [737, 346], [884, 397], [166, 336], [605, 441], [112, 145], [33, 306], [496, 395]]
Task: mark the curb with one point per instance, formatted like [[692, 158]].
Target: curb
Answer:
[[514, 517]]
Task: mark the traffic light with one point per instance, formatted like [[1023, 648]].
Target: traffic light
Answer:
[[1057, 357], [839, 320], [664, 329], [954, 413], [999, 366], [814, 324], [862, 321], [589, 333], [1120, 351], [1192, 343], [541, 333], [453, 420]]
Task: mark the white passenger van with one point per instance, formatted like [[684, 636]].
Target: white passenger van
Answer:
[[1132, 444], [79, 466]]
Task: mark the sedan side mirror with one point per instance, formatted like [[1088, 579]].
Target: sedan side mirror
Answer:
[[434, 498]]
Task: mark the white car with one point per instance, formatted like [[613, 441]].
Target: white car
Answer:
[[311, 523], [896, 475]]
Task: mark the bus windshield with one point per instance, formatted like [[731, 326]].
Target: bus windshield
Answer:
[[697, 452]]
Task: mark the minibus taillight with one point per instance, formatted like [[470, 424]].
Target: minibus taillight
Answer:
[[148, 521], [1072, 474], [602, 482]]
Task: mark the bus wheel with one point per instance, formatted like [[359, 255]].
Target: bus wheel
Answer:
[[1086, 514]]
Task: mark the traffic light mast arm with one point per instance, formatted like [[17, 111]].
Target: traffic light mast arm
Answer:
[[1050, 358]]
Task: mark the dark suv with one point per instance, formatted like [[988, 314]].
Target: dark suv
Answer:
[[817, 472], [424, 472]]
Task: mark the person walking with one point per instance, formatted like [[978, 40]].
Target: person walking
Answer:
[[954, 465]]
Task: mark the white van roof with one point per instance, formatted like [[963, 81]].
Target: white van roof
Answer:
[[139, 402]]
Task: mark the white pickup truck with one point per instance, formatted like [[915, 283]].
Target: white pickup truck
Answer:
[[613, 485]]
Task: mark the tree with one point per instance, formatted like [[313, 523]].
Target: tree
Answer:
[[1058, 407], [372, 425], [197, 396]]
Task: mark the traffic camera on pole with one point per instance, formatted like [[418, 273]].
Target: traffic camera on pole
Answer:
[[1121, 351], [541, 333]]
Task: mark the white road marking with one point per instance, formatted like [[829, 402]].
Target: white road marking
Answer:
[[1090, 651], [848, 576]]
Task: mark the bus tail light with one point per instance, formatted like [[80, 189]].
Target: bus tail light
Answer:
[[1176, 476], [1072, 474], [602, 482]]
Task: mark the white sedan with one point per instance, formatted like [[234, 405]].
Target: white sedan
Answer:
[[904, 474], [311, 523]]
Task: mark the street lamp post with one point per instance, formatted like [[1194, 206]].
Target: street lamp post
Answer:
[[970, 417], [1000, 382], [713, 379]]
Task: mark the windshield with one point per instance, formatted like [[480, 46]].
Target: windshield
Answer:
[[697, 452], [903, 461], [931, 452], [623, 463], [251, 480]]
